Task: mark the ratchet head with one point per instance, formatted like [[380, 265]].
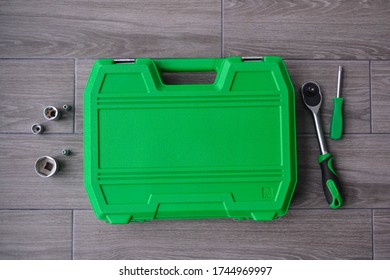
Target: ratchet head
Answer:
[[312, 96]]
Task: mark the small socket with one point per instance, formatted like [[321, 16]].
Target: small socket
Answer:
[[37, 128], [66, 107], [65, 152], [51, 113], [46, 166]]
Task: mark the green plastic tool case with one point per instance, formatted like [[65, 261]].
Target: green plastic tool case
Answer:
[[191, 151]]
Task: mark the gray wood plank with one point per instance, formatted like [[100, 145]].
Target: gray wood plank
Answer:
[[35, 234], [308, 29], [362, 162], [22, 188], [355, 91], [102, 28], [380, 82], [314, 234], [83, 69], [382, 234], [182, 78], [28, 86]]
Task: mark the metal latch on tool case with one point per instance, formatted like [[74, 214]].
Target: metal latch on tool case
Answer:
[[124, 60], [252, 58]]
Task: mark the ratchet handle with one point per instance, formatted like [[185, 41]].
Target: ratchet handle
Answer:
[[330, 182]]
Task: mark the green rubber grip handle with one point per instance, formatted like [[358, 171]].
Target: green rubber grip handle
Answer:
[[330, 182], [336, 127]]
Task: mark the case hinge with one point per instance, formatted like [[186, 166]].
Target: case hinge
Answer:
[[124, 60], [251, 58]]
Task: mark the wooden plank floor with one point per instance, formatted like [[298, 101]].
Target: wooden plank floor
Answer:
[[46, 53]]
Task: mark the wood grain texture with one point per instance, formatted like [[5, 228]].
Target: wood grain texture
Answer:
[[35, 234], [182, 78], [101, 28], [28, 86], [22, 188], [382, 234], [355, 91], [362, 163], [47, 49], [302, 29], [83, 69], [380, 82], [300, 235]]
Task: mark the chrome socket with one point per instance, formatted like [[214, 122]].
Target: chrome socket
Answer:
[[46, 166], [37, 128], [51, 113]]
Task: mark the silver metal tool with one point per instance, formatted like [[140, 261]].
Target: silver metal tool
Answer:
[[331, 185], [312, 98], [339, 81], [66, 107], [37, 128], [51, 113], [46, 166]]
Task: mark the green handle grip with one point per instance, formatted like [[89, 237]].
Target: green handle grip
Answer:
[[330, 182], [336, 127]]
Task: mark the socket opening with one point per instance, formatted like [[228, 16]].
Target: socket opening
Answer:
[[51, 113], [46, 166], [66, 107], [36, 129]]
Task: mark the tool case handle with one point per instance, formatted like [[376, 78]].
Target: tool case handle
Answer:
[[188, 65]]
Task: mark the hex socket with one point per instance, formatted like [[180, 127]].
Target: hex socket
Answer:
[[46, 166], [51, 113]]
